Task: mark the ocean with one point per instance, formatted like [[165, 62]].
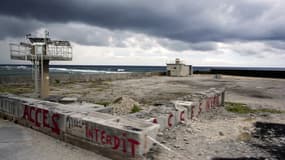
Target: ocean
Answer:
[[6, 70]]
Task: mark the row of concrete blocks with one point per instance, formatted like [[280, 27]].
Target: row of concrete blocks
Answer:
[[186, 108], [111, 136], [114, 137]]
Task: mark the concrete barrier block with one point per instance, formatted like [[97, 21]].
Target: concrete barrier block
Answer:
[[181, 114], [202, 106], [218, 97], [120, 135], [116, 137], [223, 98], [138, 131], [190, 107], [163, 121], [107, 109], [10, 106], [76, 122], [46, 119]]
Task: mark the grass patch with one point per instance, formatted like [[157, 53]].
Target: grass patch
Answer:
[[16, 89], [99, 85], [135, 109], [237, 108], [241, 108]]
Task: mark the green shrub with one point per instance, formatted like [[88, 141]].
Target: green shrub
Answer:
[[241, 108], [237, 108], [57, 81], [135, 109]]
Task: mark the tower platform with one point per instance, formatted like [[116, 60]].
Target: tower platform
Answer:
[[40, 51]]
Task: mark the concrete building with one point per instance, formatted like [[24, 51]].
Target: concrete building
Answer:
[[178, 69]]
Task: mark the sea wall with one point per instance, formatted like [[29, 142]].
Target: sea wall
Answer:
[[245, 72], [111, 136], [77, 77]]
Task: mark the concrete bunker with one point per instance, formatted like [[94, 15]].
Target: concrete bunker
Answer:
[[179, 69]]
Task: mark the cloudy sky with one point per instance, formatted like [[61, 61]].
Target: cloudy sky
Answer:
[[153, 32]]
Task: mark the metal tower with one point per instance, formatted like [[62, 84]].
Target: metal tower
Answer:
[[41, 50]]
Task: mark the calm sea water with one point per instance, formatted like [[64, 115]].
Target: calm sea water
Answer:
[[95, 69]]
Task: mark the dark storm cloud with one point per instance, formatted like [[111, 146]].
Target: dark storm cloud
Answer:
[[184, 20], [14, 27]]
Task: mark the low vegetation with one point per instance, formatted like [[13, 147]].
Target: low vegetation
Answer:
[[99, 85], [241, 108], [135, 109], [16, 89], [57, 81]]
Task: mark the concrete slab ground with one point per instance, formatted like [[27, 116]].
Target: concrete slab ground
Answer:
[[21, 143]]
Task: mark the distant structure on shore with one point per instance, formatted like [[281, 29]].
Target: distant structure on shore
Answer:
[[178, 69], [41, 50]]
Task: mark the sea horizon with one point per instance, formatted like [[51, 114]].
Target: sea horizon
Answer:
[[26, 69]]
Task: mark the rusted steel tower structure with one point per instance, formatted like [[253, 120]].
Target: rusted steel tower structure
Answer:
[[40, 51]]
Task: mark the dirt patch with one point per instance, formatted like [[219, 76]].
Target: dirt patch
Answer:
[[124, 105]]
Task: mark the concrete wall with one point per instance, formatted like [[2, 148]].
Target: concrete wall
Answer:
[[185, 109], [112, 136], [79, 77]]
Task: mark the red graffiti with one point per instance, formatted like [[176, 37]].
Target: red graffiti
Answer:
[[200, 108], [133, 144], [29, 111], [214, 102], [154, 120], [218, 100], [45, 116], [169, 120], [37, 117], [208, 103], [116, 142], [54, 118], [102, 137], [182, 116]]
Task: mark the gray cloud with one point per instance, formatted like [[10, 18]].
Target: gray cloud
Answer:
[[183, 46], [88, 35], [14, 27], [184, 20], [280, 45]]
